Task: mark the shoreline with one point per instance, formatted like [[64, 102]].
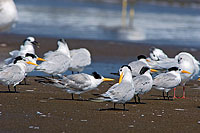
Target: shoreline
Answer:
[[100, 50]]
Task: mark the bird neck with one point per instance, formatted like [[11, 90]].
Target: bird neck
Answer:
[[28, 48]]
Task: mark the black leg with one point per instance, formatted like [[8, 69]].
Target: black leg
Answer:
[[15, 89], [72, 96], [163, 94], [138, 98], [72, 72], [8, 88], [168, 95], [135, 99], [52, 76], [25, 81], [114, 105], [124, 106]]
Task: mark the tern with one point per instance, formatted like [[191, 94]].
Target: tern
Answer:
[[143, 83], [76, 83], [120, 92], [169, 80], [58, 61], [14, 73]]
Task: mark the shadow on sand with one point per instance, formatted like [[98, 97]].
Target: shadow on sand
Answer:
[[112, 109]]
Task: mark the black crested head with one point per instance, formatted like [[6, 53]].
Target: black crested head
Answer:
[[17, 59], [144, 69], [126, 66], [141, 57], [173, 69], [31, 55], [96, 75]]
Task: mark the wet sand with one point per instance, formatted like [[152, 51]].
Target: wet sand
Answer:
[[41, 108]]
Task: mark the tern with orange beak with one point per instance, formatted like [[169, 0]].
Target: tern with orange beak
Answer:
[[143, 83], [76, 83], [169, 80], [120, 92], [14, 73]]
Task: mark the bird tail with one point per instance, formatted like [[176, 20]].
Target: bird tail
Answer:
[[50, 81], [100, 99]]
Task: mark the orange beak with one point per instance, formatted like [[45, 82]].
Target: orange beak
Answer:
[[28, 62], [40, 59]]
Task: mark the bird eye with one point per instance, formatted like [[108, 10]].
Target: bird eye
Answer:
[[179, 69]]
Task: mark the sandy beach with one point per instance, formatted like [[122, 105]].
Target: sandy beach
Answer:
[[41, 108]]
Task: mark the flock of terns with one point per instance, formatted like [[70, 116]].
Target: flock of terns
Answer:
[[136, 78]]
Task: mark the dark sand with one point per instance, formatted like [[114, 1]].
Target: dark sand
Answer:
[[40, 108]]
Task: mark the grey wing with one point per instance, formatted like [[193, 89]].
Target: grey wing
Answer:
[[142, 82], [80, 57], [77, 81], [55, 63], [49, 53], [165, 80], [12, 73], [118, 91]]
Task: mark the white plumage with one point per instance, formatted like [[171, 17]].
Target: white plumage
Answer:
[[120, 92], [8, 14]]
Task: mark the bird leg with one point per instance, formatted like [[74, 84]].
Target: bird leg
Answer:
[[138, 98], [135, 99], [124, 106], [163, 94], [25, 80], [174, 94], [8, 88], [168, 95], [114, 105], [183, 97], [72, 96], [15, 89]]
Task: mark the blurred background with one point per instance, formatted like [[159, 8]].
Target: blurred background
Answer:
[[173, 22]]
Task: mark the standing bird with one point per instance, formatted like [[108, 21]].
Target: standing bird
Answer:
[[80, 58], [120, 92], [169, 80], [14, 73], [8, 14], [143, 82], [27, 47], [77, 83], [136, 66], [187, 62], [57, 62]]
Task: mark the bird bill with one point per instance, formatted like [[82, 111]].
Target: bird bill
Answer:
[[121, 77], [28, 62], [183, 71], [40, 59], [153, 70], [108, 79]]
